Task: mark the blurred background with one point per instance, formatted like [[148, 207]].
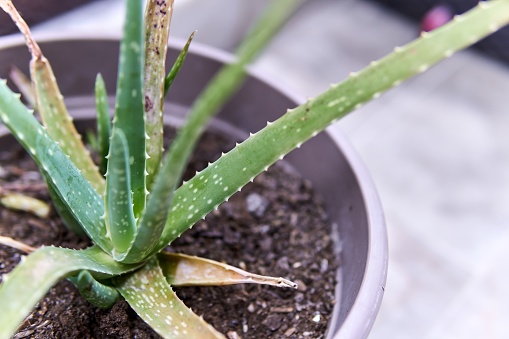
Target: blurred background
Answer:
[[437, 147]]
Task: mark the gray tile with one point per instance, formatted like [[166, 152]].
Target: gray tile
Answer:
[[328, 39], [420, 285], [481, 307]]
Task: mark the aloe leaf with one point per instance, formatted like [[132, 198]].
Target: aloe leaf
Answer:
[[26, 89], [185, 270], [25, 203], [177, 65], [51, 106], [129, 100], [103, 121], [71, 186], [230, 173], [119, 209], [65, 214], [23, 84], [224, 84], [157, 28], [156, 303], [33, 277], [99, 294]]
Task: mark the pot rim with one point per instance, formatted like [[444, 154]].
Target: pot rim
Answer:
[[360, 319]]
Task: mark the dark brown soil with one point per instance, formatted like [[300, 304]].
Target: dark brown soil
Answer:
[[274, 226]]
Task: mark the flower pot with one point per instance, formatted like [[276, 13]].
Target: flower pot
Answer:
[[327, 160], [35, 11]]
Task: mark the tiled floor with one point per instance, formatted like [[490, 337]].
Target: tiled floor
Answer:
[[437, 148]]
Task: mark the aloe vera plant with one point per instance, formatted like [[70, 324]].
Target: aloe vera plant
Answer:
[[133, 211]]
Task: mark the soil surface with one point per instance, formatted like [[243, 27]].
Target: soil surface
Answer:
[[275, 226]]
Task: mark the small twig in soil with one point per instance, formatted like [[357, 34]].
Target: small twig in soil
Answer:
[[16, 244], [37, 223]]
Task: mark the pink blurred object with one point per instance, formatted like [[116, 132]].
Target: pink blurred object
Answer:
[[436, 17]]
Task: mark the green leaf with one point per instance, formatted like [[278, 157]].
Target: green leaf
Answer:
[[65, 215], [73, 189], [119, 209], [22, 289], [156, 303], [129, 100], [231, 172], [99, 294], [157, 26], [103, 121], [185, 270], [177, 65]]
